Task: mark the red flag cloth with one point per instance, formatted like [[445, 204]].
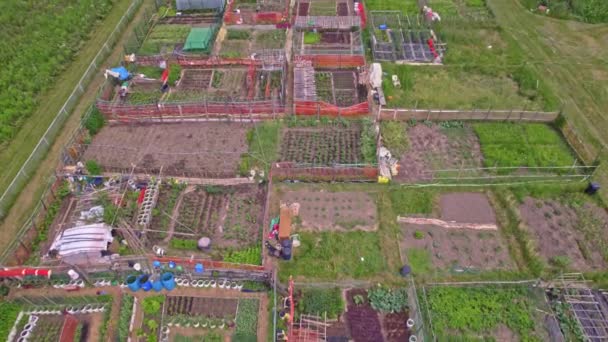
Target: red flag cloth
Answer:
[[165, 75]]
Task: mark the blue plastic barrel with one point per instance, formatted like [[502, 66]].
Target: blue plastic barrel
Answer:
[[199, 268], [171, 264], [168, 281], [133, 283], [157, 285], [145, 283], [286, 250], [156, 264]]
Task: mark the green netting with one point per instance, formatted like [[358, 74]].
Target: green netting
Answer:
[[198, 39]]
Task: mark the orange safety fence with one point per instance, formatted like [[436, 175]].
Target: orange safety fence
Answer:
[[291, 171], [129, 112], [334, 61], [327, 109]]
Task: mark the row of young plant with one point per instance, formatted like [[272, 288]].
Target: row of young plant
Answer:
[[124, 322]]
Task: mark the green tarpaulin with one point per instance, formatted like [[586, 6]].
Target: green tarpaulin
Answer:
[[198, 39]]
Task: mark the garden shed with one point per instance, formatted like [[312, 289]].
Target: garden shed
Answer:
[[199, 39]]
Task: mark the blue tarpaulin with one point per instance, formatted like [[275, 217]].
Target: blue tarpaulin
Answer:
[[122, 72]]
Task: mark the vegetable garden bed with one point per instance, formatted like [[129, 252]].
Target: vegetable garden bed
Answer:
[[325, 146]]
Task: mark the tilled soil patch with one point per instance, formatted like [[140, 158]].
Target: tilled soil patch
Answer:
[[205, 149], [458, 248], [466, 207], [363, 321], [561, 231], [341, 211], [433, 148]]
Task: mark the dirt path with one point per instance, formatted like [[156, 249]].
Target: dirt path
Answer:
[[29, 196]]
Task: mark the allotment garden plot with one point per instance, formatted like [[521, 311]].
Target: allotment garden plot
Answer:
[[325, 146], [339, 211], [568, 232], [193, 149], [243, 43], [230, 216], [398, 38], [501, 312], [454, 151], [462, 236]]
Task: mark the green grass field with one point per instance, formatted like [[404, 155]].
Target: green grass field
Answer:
[[405, 6], [514, 145]]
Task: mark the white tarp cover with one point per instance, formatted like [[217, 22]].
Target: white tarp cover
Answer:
[[87, 238], [375, 75]]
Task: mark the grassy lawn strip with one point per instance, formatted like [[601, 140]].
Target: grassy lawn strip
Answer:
[[405, 6], [263, 141], [530, 145], [469, 312], [335, 256], [164, 36]]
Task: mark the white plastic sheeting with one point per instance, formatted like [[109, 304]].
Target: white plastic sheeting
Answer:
[[375, 75], [83, 239]]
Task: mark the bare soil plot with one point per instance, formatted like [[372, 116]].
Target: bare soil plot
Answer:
[[434, 148], [196, 79], [467, 207], [562, 231], [324, 146], [210, 150], [463, 247], [338, 211]]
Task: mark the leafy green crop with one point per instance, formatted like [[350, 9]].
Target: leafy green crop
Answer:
[[126, 309], [152, 305], [9, 312], [318, 301], [385, 299], [480, 310], [247, 320], [251, 256]]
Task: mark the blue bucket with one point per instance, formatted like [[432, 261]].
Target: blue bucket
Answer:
[[382, 27], [145, 283], [157, 285], [168, 281], [133, 283]]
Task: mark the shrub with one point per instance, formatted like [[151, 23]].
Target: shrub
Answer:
[[95, 121], [368, 142], [93, 167], [418, 235], [251, 256]]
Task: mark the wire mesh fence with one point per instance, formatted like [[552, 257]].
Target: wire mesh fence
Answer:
[[37, 155]]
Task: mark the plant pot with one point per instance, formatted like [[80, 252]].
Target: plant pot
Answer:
[[87, 309], [239, 287], [222, 325], [413, 338], [200, 283], [206, 283], [234, 285], [33, 319], [196, 325], [213, 284], [194, 283], [25, 334], [29, 326], [79, 283], [166, 330], [410, 323], [222, 284]]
